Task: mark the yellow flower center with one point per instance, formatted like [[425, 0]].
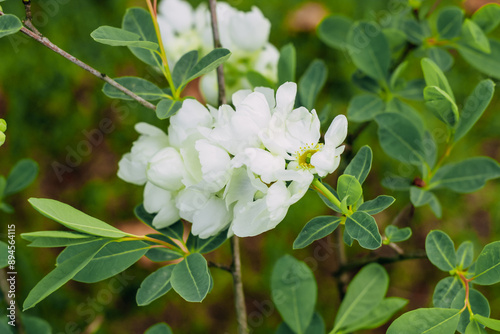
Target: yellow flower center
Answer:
[[305, 154]]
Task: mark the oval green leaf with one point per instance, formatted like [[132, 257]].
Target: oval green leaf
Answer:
[[440, 250], [141, 87], [155, 286], [191, 278], [363, 227], [21, 176], [426, 320], [487, 266], [120, 37], [316, 228], [9, 24]]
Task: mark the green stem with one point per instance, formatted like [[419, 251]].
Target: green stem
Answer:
[[163, 55], [320, 187]]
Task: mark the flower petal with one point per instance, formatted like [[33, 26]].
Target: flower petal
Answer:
[[167, 216], [165, 169], [325, 161], [211, 219], [337, 131], [155, 198]]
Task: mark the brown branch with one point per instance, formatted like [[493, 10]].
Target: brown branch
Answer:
[[27, 22], [343, 279], [351, 266], [45, 41], [239, 295], [219, 266], [217, 44]]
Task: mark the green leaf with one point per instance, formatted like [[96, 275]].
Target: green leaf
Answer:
[[174, 231], [360, 165], [141, 87], [139, 21], [395, 234], [62, 274], [487, 17], [191, 278], [379, 315], [21, 176], [167, 108], [114, 258], [208, 63], [327, 201], [362, 227], [490, 323], [395, 182], [9, 24], [258, 80], [478, 303], [445, 291], [442, 105], [365, 107], [333, 31], [369, 52], [400, 138], [414, 31], [396, 105], [475, 37], [426, 320], [465, 255], [315, 229], [317, 326], [420, 197], [348, 185], [57, 238], [466, 176], [435, 77], [182, 68], [449, 22], [441, 57], [35, 325], [294, 292], [366, 83], [487, 63], [436, 206], [365, 292], [210, 244], [161, 328], [155, 285], [487, 266], [348, 240], [377, 205], [120, 37], [158, 254], [475, 105], [475, 327], [412, 90], [287, 64], [75, 219], [440, 250], [311, 83]]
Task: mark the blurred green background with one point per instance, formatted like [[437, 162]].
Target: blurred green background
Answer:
[[50, 104]]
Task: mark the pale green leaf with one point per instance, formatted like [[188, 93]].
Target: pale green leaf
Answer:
[[364, 107], [208, 63], [57, 238], [465, 254], [287, 64], [311, 83], [435, 77], [474, 36], [348, 185], [449, 22], [478, 303], [475, 327], [120, 37], [333, 31], [9, 24], [490, 323], [487, 17], [141, 87], [395, 234], [442, 105], [167, 108], [487, 63], [155, 285], [441, 57], [21, 176], [161, 328], [487, 266]]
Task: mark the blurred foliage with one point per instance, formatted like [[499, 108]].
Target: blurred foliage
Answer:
[[50, 105]]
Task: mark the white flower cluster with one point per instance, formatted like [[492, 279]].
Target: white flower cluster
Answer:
[[245, 34], [240, 168]]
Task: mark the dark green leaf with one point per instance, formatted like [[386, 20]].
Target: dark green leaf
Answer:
[[114, 258], [120, 37], [466, 176], [327, 202], [449, 22], [258, 80], [139, 21], [209, 63], [362, 227], [366, 83], [316, 228], [475, 105], [413, 90], [62, 274], [370, 52], [473, 36], [465, 254], [21, 176], [333, 31], [487, 266], [161, 328], [487, 17], [348, 240], [141, 87], [400, 138], [158, 254], [57, 238], [212, 243], [155, 285], [182, 68], [35, 325], [294, 292], [287, 64], [75, 219], [396, 105], [360, 165], [191, 278], [9, 24], [377, 205], [420, 197], [167, 108], [364, 107], [487, 63], [175, 231], [426, 320], [311, 82], [441, 57], [365, 292], [440, 250], [395, 234], [317, 326], [414, 31], [445, 291]]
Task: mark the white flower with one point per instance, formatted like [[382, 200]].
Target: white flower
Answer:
[[166, 169], [132, 166], [161, 202], [248, 31], [186, 121]]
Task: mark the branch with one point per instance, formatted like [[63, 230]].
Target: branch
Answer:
[[45, 41], [239, 295], [419, 254], [219, 266], [217, 44], [27, 22]]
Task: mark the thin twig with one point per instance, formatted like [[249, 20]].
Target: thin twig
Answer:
[[45, 41], [27, 22], [420, 254], [239, 295], [217, 44], [343, 280], [219, 266]]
